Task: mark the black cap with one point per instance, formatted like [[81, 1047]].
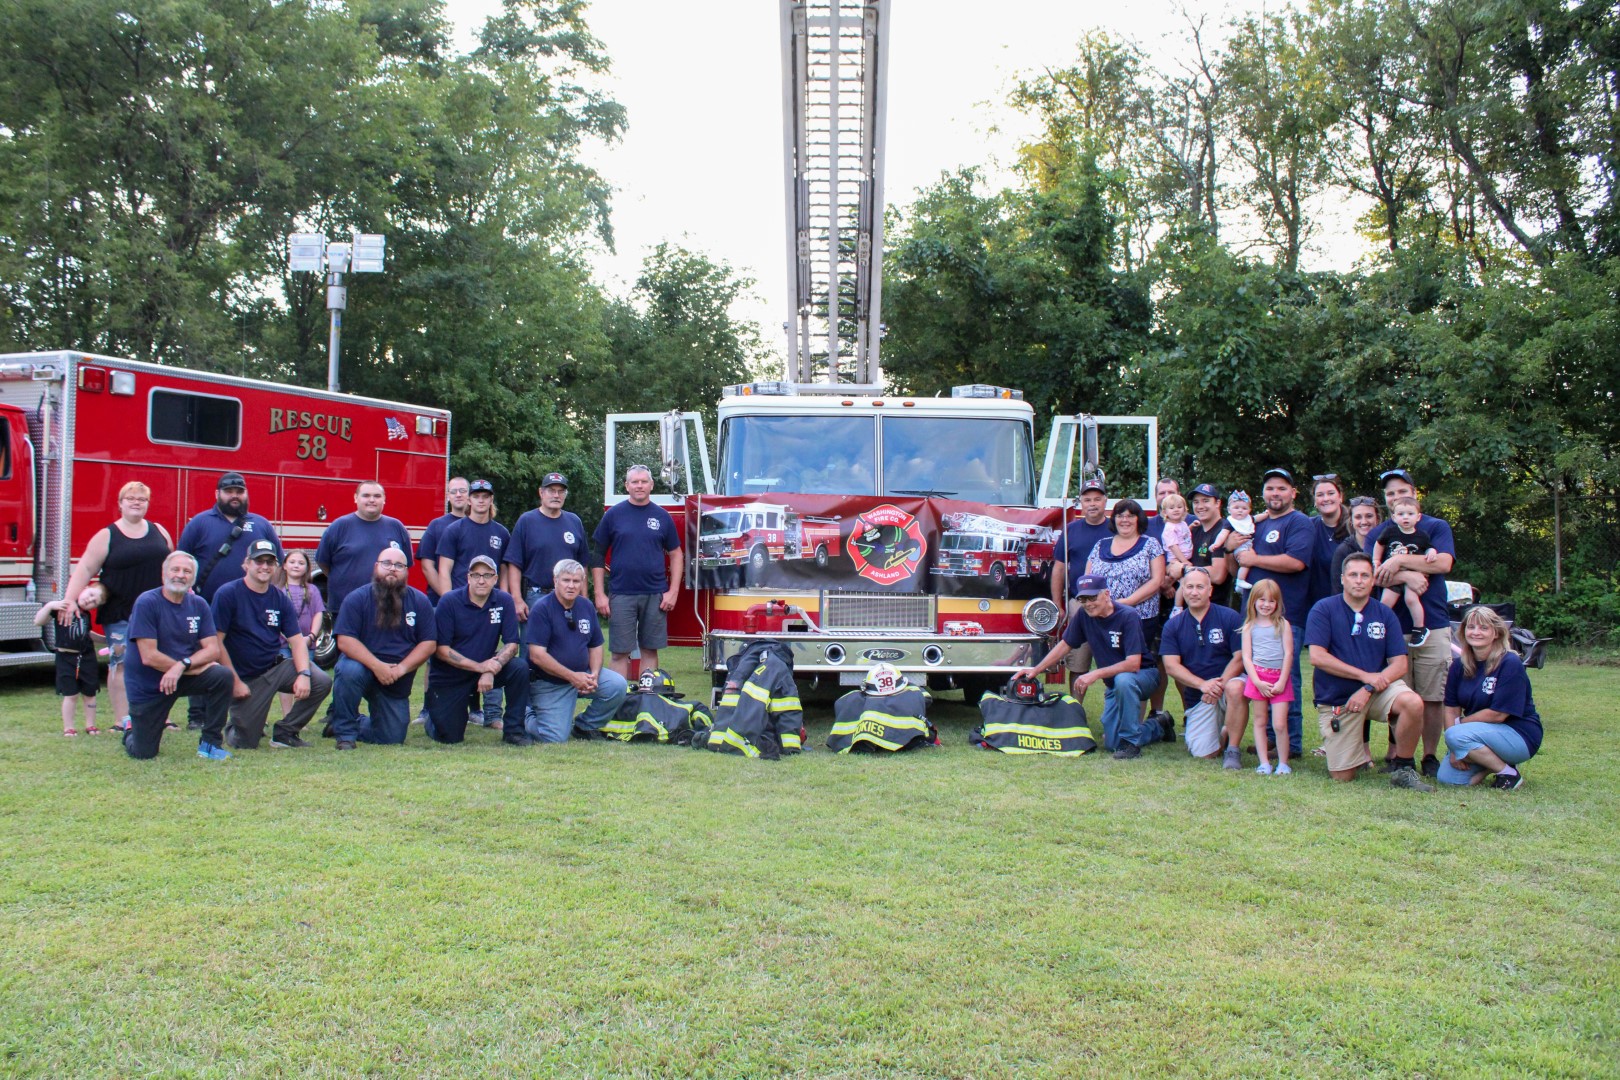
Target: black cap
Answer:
[[1383, 477], [230, 480], [556, 479], [1093, 485], [1277, 470], [1207, 489], [480, 486], [260, 548]]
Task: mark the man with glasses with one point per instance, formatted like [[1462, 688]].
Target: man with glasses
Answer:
[[457, 498], [1284, 550], [476, 651], [385, 632], [1124, 667], [1202, 651], [637, 535], [219, 538], [1431, 661], [1359, 653], [256, 621]]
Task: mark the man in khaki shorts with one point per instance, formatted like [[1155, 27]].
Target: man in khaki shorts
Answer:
[[1430, 657], [1359, 654]]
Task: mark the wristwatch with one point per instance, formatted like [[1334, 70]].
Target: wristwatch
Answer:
[[1369, 687], [304, 675], [185, 661]]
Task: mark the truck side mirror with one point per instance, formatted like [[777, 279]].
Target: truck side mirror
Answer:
[[672, 448]]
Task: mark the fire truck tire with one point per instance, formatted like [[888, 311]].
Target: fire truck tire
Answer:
[[821, 556], [998, 576], [975, 687], [757, 559]]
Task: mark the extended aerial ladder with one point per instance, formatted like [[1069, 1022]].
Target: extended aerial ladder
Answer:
[[835, 68]]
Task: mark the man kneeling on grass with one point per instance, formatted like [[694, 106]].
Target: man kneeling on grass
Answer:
[[477, 651], [1359, 655], [385, 633], [1202, 651], [172, 630], [1126, 671]]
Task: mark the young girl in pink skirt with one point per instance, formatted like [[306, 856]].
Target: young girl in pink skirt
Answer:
[[1268, 646]]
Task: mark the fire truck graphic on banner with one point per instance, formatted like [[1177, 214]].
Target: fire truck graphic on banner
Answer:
[[983, 546]]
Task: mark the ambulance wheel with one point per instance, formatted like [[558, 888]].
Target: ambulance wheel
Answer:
[[821, 556], [756, 564]]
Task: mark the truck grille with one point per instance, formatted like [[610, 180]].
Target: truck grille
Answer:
[[877, 611]]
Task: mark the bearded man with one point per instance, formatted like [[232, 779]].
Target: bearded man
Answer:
[[385, 632]]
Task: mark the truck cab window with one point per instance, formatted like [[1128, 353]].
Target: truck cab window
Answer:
[[194, 419], [811, 455], [977, 459]]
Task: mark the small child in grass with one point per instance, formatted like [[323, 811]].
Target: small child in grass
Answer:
[[78, 676], [1403, 534]]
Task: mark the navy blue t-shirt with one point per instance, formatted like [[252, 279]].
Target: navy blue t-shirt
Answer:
[[1292, 534], [1080, 536], [1205, 645], [637, 537], [358, 619], [1155, 528], [427, 548], [178, 630], [1111, 639], [1322, 583], [1368, 640], [208, 531], [1435, 613], [475, 632], [349, 549], [567, 635], [540, 543], [1507, 690], [467, 538], [253, 624]]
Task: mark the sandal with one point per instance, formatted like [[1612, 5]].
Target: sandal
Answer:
[[68, 733], [91, 729], [170, 725]]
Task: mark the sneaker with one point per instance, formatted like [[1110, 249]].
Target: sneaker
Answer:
[[291, 742], [1282, 770], [209, 752], [516, 738], [1418, 636], [1127, 752], [1508, 781], [1408, 778], [1431, 766], [1232, 759], [421, 717], [1264, 768], [345, 744]]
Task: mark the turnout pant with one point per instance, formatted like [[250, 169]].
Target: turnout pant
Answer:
[[390, 716], [246, 726], [448, 698], [208, 690]]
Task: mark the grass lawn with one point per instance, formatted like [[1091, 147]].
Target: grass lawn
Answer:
[[609, 910]]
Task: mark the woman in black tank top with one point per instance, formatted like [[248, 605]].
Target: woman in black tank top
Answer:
[[128, 554]]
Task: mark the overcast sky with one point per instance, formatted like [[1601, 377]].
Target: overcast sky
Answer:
[[702, 161]]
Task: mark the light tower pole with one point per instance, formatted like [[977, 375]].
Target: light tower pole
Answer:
[[311, 253]]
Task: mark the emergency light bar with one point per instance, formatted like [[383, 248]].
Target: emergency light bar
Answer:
[[985, 390], [762, 389]]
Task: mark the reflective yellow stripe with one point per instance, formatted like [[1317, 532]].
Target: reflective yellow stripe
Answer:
[[1048, 753], [649, 718], [757, 692], [1041, 732], [786, 704], [728, 701], [791, 740], [731, 738]]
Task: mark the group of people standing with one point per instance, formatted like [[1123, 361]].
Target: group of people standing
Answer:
[[1226, 606], [227, 619]]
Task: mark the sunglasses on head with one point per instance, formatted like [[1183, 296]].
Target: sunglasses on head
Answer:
[[1364, 500]]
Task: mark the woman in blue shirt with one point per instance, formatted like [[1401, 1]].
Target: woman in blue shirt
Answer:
[[1491, 720]]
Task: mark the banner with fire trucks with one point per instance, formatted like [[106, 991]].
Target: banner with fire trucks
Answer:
[[872, 544]]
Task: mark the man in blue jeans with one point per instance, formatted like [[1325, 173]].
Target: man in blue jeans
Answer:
[[385, 631], [1127, 673], [564, 642]]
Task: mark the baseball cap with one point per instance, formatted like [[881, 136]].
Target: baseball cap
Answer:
[[1207, 489], [1383, 477], [230, 480], [554, 478], [1277, 471], [484, 560], [260, 548], [1090, 585], [1093, 485], [480, 486]]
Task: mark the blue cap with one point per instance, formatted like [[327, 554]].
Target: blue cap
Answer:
[[1090, 585]]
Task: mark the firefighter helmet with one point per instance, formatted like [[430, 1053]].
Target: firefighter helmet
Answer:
[[1026, 691], [657, 681], [884, 679]]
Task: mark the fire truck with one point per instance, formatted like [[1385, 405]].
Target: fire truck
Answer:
[[749, 536], [75, 427], [978, 545], [830, 441]]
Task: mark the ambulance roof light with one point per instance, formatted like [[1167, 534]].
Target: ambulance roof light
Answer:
[[985, 390]]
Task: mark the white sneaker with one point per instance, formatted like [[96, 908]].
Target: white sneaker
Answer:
[[1263, 769]]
